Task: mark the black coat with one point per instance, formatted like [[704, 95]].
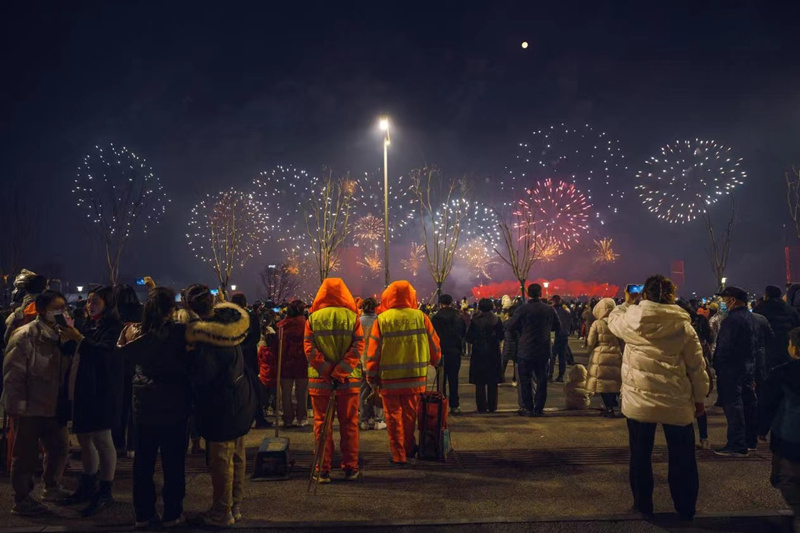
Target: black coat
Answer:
[[534, 321], [485, 334], [162, 393], [783, 319], [250, 344], [99, 382], [565, 317], [737, 345], [452, 330], [778, 405]]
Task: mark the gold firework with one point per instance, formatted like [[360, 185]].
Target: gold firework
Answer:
[[414, 261], [372, 262], [603, 252], [368, 228], [479, 258], [549, 251]]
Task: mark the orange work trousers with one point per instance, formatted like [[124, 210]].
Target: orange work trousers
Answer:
[[347, 413], [400, 411]]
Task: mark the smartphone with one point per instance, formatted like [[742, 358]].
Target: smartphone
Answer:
[[214, 292], [61, 320], [140, 281], [276, 309], [634, 289]]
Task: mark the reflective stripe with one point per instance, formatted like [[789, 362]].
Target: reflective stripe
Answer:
[[404, 333], [410, 384], [309, 337], [321, 385], [402, 366], [332, 332], [345, 366], [324, 366], [358, 337]]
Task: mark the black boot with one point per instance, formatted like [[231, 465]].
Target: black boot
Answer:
[[86, 489], [100, 500]]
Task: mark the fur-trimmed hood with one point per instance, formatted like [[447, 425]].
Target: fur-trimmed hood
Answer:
[[228, 327]]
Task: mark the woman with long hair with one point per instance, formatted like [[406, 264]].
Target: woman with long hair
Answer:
[[96, 383], [161, 406], [664, 381]]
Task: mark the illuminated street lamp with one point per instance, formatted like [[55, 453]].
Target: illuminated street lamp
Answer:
[[80, 288], [546, 285], [383, 124], [233, 287], [724, 280]]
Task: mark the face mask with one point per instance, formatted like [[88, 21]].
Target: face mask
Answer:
[[723, 307]]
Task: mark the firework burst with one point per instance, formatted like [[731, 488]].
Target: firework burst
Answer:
[[372, 262], [368, 229], [369, 198], [687, 178], [561, 212], [604, 252], [480, 259], [415, 259], [586, 157]]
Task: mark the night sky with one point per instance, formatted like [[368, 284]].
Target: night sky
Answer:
[[212, 93]]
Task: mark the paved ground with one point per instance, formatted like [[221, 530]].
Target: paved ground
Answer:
[[564, 472]]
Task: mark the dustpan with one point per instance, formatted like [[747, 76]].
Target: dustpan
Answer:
[[273, 461]]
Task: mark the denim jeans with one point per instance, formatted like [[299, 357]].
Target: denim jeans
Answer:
[[738, 400]]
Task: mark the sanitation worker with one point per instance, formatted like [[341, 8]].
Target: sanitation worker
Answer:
[[401, 346], [333, 344]]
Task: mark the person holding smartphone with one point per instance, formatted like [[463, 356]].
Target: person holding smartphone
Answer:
[[33, 377]]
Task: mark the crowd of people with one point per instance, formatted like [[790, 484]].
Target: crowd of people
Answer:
[[142, 379]]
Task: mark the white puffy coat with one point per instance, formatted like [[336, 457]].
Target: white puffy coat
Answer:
[[663, 370], [605, 359]]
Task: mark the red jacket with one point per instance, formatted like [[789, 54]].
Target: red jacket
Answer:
[[294, 364]]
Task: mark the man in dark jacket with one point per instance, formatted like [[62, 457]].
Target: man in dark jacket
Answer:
[[224, 398], [561, 343], [533, 321], [250, 351], [452, 330], [783, 319], [735, 365]]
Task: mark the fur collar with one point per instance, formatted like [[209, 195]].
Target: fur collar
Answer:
[[227, 328]]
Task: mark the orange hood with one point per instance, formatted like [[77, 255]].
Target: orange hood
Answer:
[[399, 295], [333, 293]]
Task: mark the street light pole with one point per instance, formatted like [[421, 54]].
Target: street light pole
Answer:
[[384, 125]]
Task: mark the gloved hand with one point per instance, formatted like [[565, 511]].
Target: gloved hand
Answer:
[[338, 375]]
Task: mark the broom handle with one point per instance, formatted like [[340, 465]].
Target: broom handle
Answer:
[[279, 397]]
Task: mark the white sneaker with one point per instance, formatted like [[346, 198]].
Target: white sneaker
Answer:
[[303, 424], [380, 425]]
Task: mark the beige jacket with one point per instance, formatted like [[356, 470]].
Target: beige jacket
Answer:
[[663, 370], [605, 359], [33, 371], [577, 397]]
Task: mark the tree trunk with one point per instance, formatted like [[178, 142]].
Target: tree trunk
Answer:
[[438, 291], [522, 289]]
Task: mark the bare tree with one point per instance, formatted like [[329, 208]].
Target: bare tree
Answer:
[[442, 208], [227, 230], [526, 241], [719, 244], [793, 197], [121, 195], [327, 220], [279, 283], [19, 220]]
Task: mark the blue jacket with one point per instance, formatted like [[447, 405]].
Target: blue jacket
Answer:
[[737, 344]]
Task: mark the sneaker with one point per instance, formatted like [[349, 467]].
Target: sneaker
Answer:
[[364, 426], [289, 425], [513, 383], [380, 425], [236, 511], [752, 448], [55, 494], [303, 423], [174, 523], [213, 519], [29, 507], [455, 410], [729, 452], [352, 474], [704, 444], [144, 524], [524, 412], [322, 477]]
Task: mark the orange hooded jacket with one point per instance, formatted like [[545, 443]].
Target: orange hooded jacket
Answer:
[[334, 353], [395, 366]]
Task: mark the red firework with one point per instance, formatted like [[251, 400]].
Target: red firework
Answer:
[[562, 210]]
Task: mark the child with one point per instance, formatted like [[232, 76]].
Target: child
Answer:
[[575, 388], [779, 414]]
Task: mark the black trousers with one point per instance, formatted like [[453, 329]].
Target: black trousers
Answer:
[[452, 367], [683, 477], [529, 370], [486, 397], [172, 441]]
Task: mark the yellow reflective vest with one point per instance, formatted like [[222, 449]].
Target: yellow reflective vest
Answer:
[[329, 339]]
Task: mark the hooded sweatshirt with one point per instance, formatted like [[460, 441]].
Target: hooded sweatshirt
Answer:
[[605, 355], [663, 370]]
